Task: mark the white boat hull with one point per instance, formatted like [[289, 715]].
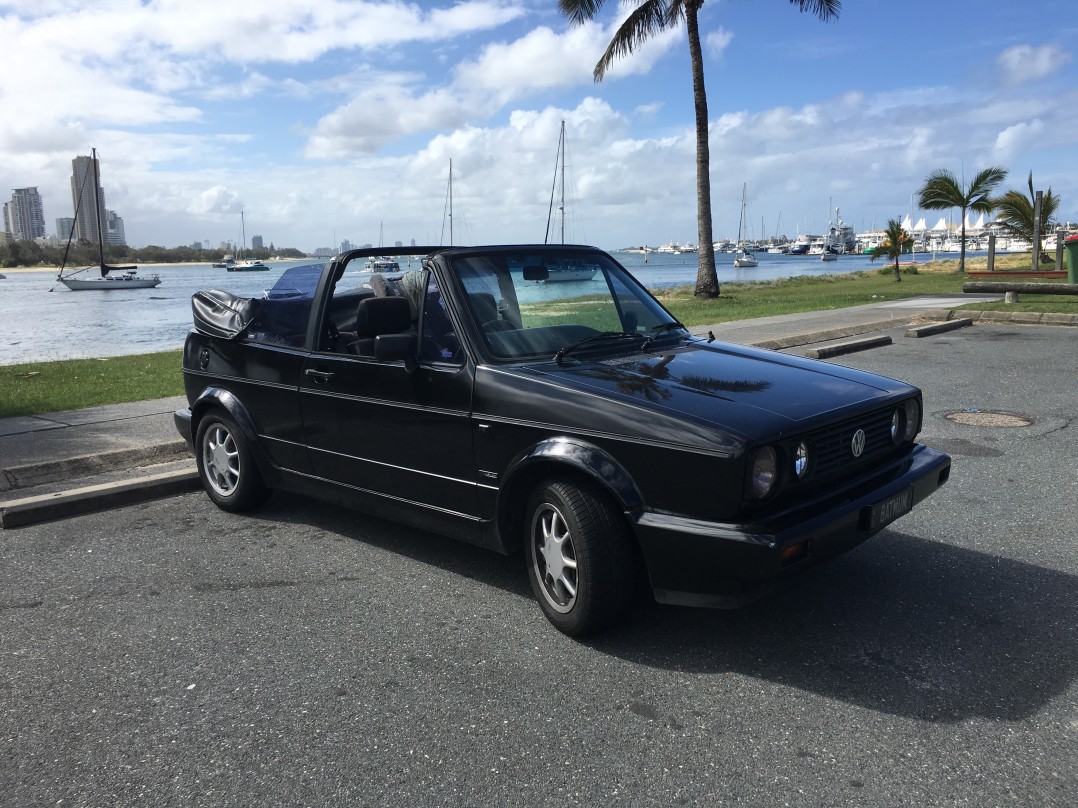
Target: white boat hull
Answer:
[[105, 284]]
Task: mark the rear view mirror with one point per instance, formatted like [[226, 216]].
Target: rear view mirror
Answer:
[[536, 273]]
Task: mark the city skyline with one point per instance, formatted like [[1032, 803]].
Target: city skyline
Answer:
[[339, 122]]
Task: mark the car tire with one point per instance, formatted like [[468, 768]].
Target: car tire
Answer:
[[226, 466], [579, 556]]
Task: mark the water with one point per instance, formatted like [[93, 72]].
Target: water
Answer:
[[41, 320]]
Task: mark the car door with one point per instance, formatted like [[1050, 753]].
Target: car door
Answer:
[[399, 438]]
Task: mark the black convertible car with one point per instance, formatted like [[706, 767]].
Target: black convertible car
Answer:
[[537, 399]]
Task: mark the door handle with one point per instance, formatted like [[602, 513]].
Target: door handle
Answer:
[[320, 376]]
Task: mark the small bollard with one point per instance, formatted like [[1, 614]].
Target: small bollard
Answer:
[[1010, 297]]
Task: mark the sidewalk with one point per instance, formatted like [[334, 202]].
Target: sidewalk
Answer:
[[60, 464]]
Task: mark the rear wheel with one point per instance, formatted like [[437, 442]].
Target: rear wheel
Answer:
[[580, 560], [226, 466]]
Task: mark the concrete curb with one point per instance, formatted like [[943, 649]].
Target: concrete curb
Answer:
[[829, 334], [1021, 317], [938, 328], [40, 473], [848, 347], [45, 507]]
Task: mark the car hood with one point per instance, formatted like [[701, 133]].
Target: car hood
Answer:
[[737, 387]]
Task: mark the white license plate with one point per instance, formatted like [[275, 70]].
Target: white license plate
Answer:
[[887, 511]]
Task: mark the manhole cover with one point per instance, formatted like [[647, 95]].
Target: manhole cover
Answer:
[[987, 418]]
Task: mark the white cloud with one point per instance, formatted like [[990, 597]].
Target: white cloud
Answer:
[[1012, 140], [1024, 63], [715, 42]]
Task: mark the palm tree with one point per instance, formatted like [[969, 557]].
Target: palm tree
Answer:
[[1016, 212], [895, 240], [651, 17], [942, 191]]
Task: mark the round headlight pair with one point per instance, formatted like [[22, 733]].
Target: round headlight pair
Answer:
[[904, 422]]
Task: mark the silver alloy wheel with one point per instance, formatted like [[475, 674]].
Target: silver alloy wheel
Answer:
[[221, 460], [554, 557]]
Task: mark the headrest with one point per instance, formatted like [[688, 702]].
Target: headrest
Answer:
[[383, 315]]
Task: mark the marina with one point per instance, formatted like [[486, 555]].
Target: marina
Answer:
[[43, 325]]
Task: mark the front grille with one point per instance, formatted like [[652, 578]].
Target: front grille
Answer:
[[832, 445]]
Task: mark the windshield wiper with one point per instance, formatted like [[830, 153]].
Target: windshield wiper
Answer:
[[667, 326], [602, 335]]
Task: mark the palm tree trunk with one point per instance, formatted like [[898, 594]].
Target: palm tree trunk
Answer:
[[707, 279], [898, 271], [962, 246]]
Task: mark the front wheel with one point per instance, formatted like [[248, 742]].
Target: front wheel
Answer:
[[580, 560], [226, 466]]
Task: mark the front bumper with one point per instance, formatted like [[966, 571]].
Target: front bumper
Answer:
[[696, 563]]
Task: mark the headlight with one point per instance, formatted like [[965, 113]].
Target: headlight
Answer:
[[764, 472], [802, 460], [898, 425], [912, 410]]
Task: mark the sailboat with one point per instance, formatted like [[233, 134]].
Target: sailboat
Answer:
[[127, 277], [743, 259], [564, 271], [246, 266]]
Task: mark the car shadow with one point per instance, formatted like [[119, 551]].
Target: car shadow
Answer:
[[903, 625]]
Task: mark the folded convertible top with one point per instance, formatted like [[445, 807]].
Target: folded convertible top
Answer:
[[223, 314]]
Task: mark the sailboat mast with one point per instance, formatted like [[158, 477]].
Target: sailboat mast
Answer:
[[450, 202], [97, 210], [561, 151]]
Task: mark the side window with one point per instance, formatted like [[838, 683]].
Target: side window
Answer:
[[438, 338]]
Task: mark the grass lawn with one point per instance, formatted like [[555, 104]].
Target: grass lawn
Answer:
[[38, 387]]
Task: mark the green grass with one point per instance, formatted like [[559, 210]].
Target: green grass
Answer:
[[71, 384], [743, 301]]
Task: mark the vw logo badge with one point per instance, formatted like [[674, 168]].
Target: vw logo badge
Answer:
[[857, 445]]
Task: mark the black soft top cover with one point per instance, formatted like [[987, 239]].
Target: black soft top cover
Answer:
[[223, 314]]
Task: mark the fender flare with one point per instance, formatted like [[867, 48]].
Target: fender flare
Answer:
[[220, 397], [541, 460]]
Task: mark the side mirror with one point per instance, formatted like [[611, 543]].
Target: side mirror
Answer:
[[536, 273], [390, 347]]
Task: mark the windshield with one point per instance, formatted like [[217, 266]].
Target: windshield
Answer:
[[542, 301]]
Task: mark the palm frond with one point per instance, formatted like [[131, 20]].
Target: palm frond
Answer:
[[979, 193], [646, 20], [826, 10], [580, 11], [940, 191]]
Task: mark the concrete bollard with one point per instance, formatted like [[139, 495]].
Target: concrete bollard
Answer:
[[1010, 297]]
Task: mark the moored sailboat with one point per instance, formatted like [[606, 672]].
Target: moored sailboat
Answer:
[[127, 276], [566, 271], [743, 259]]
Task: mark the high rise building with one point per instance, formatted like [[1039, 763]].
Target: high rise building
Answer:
[[85, 182], [114, 233], [64, 225], [256, 242], [25, 218]]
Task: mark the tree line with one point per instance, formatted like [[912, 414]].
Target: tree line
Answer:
[[31, 253]]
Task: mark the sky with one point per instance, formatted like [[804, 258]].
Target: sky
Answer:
[[333, 120]]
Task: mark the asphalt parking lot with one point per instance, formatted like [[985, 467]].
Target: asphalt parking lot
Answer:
[[170, 653]]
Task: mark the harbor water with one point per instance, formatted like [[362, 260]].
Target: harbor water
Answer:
[[41, 320]]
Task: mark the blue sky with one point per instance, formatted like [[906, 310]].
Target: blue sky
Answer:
[[332, 120]]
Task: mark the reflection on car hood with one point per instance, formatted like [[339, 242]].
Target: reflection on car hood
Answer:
[[698, 379]]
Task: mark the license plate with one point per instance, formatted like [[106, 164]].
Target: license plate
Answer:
[[887, 511]]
